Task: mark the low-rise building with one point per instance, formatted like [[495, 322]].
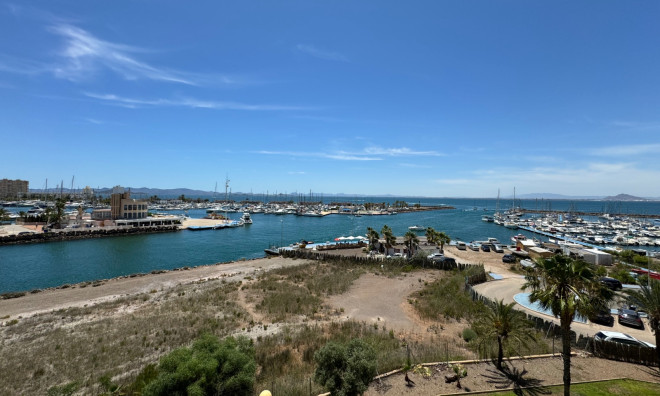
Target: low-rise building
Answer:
[[123, 207]]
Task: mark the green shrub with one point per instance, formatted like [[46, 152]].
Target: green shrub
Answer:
[[345, 370], [211, 366], [469, 334]]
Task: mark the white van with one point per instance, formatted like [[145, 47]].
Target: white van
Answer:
[[461, 245]]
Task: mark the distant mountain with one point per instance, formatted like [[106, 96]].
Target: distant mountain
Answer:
[[624, 197], [164, 192]]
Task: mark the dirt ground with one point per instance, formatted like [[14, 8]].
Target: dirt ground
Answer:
[[382, 300], [373, 299], [520, 373]]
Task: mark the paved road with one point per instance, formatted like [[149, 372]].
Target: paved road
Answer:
[[506, 288]]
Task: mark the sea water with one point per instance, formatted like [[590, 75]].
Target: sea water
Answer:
[[42, 265]]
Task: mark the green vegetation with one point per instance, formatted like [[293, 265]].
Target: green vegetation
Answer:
[[115, 338], [600, 388], [648, 300], [208, 367], [285, 292], [345, 370], [412, 242], [500, 322], [446, 298], [566, 286]]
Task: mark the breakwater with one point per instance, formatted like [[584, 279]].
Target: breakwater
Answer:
[[82, 234]]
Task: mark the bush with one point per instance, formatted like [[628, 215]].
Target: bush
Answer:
[[209, 367], [469, 334], [345, 370]]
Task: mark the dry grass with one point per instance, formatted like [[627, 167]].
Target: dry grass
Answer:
[[116, 339]]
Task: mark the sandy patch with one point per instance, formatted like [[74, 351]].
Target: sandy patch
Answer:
[[382, 300], [76, 296]]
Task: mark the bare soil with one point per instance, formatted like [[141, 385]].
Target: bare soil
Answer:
[[518, 374], [374, 298]]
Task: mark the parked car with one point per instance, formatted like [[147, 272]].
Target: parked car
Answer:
[[630, 317], [603, 316], [435, 256], [446, 260], [485, 247], [497, 248], [622, 338], [612, 283], [508, 258], [474, 246], [461, 245]]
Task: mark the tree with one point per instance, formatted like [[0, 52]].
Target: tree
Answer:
[[411, 241], [443, 239], [647, 298], [431, 235], [57, 216], [566, 287], [209, 367], [372, 236], [501, 322], [389, 237], [4, 215], [345, 370]]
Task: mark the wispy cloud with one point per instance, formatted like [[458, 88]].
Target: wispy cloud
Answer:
[[21, 66], [398, 152], [84, 53], [626, 150], [340, 156], [636, 125], [321, 53], [297, 173], [591, 178], [368, 154], [187, 102]]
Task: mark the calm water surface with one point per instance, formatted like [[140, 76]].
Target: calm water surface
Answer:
[[27, 267]]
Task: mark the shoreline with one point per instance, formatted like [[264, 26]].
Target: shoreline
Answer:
[[94, 292]]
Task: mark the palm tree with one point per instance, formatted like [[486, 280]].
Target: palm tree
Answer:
[[372, 236], [648, 299], [431, 235], [502, 322], [57, 216], [389, 237], [442, 238], [411, 241], [566, 287]]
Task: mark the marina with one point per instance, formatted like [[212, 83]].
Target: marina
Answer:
[[37, 266]]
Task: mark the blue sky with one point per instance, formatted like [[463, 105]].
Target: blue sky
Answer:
[[431, 98]]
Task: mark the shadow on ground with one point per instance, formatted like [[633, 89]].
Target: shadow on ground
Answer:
[[511, 377]]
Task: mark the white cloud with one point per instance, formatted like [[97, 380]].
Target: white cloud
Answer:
[[626, 150], [594, 178], [320, 53], [83, 54], [368, 154], [187, 102], [398, 152]]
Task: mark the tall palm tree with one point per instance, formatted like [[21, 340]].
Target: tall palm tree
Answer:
[[411, 241], [566, 287], [648, 299], [502, 323], [443, 239], [389, 237], [431, 235], [372, 236]]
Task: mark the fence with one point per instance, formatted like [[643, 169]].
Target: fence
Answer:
[[601, 349], [478, 277]]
